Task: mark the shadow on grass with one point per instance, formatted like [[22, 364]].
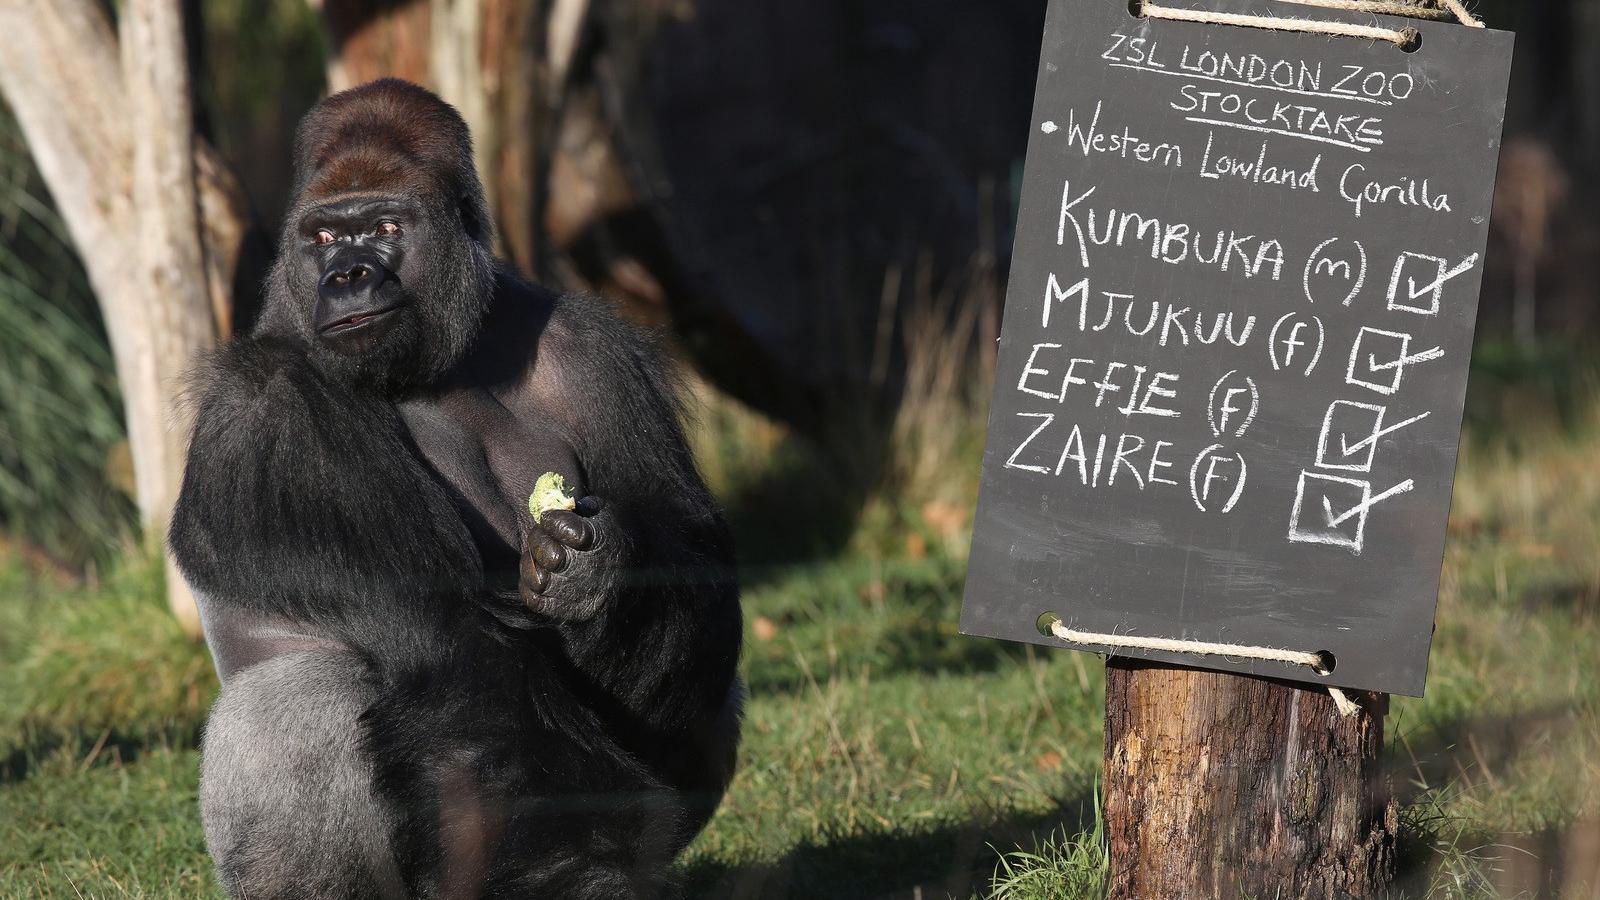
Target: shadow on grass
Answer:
[[109, 747], [1465, 749], [958, 860], [922, 648], [1457, 753], [954, 861]]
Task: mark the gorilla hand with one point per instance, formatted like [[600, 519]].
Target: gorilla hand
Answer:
[[572, 562]]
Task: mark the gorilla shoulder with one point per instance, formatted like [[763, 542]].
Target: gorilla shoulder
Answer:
[[288, 469]]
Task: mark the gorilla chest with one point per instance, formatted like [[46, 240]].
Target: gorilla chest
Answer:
[[489, 459]]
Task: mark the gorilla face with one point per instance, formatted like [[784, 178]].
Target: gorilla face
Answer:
[[356, 252], [384, 268], [389, 291]]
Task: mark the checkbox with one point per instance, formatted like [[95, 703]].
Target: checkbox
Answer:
[[1374, 360], [1350, 433], [1379, 359], [1333, 511], [1330, 510], [1419, 280]]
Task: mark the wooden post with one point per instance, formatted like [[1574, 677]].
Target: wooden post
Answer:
[[1222, 786]]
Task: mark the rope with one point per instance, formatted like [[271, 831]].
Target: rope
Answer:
[[1398, 36], [1313, 661], [1464, 17], [1386, 7]]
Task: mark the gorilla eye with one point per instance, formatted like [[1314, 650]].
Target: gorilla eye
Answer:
[[388, 229], [323, 237]]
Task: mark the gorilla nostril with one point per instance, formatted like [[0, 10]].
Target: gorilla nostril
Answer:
[[355, 274]]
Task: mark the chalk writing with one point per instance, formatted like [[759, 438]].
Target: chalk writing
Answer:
[[1297, 339], [1235, 341], [1401, 190], [1379, 359], [1363, 422], [1224, 416], [1091, 139], [1225, 482], [1410, 266], [1331, 268], [1173, 243], [1332, 510]]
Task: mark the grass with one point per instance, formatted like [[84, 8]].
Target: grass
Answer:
[[885, 755], [60, 412], [101, 702], [1059, 867]]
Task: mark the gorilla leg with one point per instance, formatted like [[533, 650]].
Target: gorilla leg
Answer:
[[480, 801], [286, 790]]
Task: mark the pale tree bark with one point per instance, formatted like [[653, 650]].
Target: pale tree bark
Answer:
[[1219, 786], [111, 129]]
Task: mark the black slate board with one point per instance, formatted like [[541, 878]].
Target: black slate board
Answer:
[[1333, 537]]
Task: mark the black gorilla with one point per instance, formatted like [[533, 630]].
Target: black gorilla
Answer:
[[425, 693]]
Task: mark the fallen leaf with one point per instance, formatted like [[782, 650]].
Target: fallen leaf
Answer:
[[764, 628]]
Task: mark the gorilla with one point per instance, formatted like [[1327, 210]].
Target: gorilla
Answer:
[[426, 693]]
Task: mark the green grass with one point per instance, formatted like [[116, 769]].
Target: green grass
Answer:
[[885, 755], [117, 825], [101, 703], [61, 437], [1059, 867]]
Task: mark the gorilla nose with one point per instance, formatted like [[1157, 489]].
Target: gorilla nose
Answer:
[[348, 294], [339, 278]]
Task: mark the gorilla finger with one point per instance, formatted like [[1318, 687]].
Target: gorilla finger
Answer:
[[569, 528], [538, 552], [535, 581], [548, 554], [589, 507]]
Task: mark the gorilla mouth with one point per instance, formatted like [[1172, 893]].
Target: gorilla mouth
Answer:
[[357, 321]]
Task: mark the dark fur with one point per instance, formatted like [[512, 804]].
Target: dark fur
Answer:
[[424, 693]]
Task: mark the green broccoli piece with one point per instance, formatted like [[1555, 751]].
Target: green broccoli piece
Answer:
[[549, 493]]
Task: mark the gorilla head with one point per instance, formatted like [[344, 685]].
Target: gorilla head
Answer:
[[384, 266]]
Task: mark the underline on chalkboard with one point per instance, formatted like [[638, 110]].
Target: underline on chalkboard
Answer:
[[1264, 130], [1265, 87]]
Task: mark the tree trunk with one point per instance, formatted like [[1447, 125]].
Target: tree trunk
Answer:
[[173, 322], [505, 66], [1222, 786], [378, 38], [115, 143]]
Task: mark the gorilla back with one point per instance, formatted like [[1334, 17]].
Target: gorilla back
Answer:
[[425, 692]]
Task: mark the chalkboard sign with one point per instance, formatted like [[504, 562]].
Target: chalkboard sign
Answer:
[[1237, 337]]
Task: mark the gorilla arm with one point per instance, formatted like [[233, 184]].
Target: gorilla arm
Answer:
[[302, 502], [649, 612]]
